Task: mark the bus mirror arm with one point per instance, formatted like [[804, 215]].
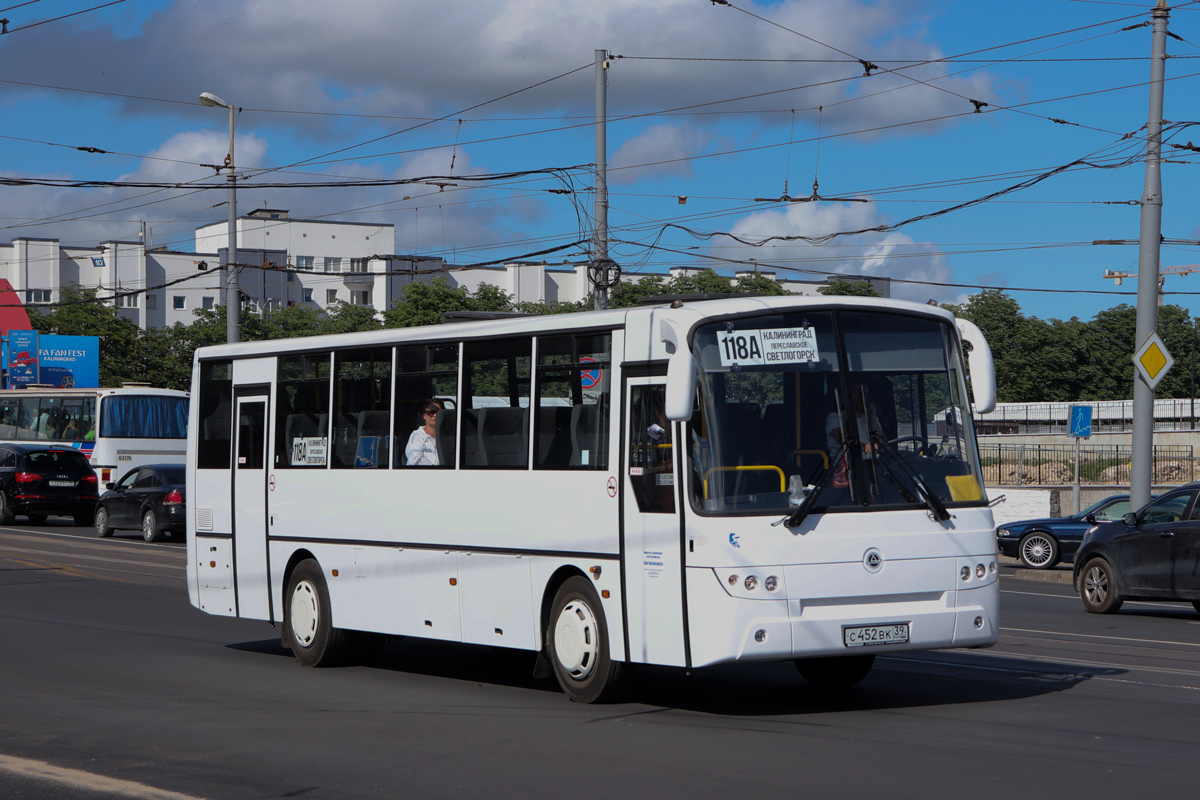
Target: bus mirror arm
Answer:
[[983, 369], [681, 374]]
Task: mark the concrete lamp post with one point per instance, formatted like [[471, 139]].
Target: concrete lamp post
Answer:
[[233, 293]]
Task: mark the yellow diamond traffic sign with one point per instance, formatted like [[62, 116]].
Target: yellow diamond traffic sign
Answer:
[[1152, 361]]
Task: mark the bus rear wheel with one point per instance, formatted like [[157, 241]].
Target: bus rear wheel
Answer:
[[308, 621], [835, 672], [577, 645]]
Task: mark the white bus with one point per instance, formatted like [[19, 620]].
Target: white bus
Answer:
[[118, 429], [661, 485]]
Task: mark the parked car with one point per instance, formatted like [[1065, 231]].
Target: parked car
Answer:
[[40, 481], [1149, 554], [1042, 543], [149, 498]]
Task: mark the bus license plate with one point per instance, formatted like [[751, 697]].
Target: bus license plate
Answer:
[[61, 483], [864, 635]]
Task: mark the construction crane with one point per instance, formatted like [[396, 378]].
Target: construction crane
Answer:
[[1163, 272]]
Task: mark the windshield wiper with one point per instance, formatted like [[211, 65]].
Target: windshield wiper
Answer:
[[810, 499], [936, 507]]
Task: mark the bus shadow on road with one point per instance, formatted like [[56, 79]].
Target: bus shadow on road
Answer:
[[898, 680], [901, 680]]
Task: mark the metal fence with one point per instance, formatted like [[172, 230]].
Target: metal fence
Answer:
[[1054, 465]]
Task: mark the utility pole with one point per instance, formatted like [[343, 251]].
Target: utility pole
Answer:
[[1149, 245], [598, 272]]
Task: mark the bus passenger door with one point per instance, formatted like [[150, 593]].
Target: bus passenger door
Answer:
[[654, 589], [250, 508]]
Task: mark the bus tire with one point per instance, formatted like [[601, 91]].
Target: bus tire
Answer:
[[577, 645], [835, 672], [308, 619], [150, 531]]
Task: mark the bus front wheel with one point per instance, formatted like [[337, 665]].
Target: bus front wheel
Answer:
[[577, 644], [308, 625], [835, 672]]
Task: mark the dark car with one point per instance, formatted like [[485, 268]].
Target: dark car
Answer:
[[1150, 554], [40, 480], [1042, 543], [148, 498]]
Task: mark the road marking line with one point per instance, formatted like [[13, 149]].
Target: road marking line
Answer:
[[87, 780], [1098, 636], [54, 554]]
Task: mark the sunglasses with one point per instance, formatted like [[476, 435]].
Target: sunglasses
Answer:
[[430, 411]]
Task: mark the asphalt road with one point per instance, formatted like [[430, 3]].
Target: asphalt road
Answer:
[[111, 685]]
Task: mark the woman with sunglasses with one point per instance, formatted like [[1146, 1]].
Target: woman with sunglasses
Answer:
[[421, 450]]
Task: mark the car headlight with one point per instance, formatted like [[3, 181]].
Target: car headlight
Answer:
[[1003, 532]]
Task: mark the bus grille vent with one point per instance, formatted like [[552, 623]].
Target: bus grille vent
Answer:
[[204, 519]]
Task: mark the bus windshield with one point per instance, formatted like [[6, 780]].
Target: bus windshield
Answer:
[[843, 409]]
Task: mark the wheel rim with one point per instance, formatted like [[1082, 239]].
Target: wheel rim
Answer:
[[101, 520], [1095, 585], [148, 527], [303, 614], [1037, 551], [576, 640]]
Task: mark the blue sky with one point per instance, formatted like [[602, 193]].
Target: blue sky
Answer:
[[723, 105]]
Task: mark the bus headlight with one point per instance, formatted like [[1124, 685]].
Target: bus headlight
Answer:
[[751, 583], [771, 583], [965, 573]]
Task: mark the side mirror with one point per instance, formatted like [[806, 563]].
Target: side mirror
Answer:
[[681, 374], [1130, 519], [1090, 518], [981, 365], [110, 485]]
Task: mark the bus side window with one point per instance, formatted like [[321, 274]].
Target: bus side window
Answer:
[[362, 399], [423, 373], [302, 411], [216, 419], [497, 390], [571, 424]]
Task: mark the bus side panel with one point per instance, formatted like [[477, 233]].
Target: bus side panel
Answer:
[[214, 576], [428, 601], [209, 520], [458, 509], [497, 600]]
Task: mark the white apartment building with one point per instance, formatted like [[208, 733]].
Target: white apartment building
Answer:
[[285, 262]]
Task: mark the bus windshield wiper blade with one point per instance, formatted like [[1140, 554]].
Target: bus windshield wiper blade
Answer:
[[936, 507], [810, 499]]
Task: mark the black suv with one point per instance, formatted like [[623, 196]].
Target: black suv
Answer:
[[40, 480]]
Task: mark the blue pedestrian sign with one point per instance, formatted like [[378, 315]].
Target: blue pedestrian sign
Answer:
[[1081, 421]]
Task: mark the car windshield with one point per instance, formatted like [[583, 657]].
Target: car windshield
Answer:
[[867, 406], [1106, 510]]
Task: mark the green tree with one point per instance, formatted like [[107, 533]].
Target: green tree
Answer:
[[849, 288], [346, 318], [1014, 340], [425, 303]]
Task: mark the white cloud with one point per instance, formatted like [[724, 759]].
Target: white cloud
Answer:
[[895, 254], [659, 151]]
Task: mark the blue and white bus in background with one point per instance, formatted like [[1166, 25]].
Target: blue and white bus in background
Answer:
[[686, 483], [118, 429]]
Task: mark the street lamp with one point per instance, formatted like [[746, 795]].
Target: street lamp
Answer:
[[233, 294]]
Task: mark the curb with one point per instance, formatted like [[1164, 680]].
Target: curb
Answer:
[[1060, 574]]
